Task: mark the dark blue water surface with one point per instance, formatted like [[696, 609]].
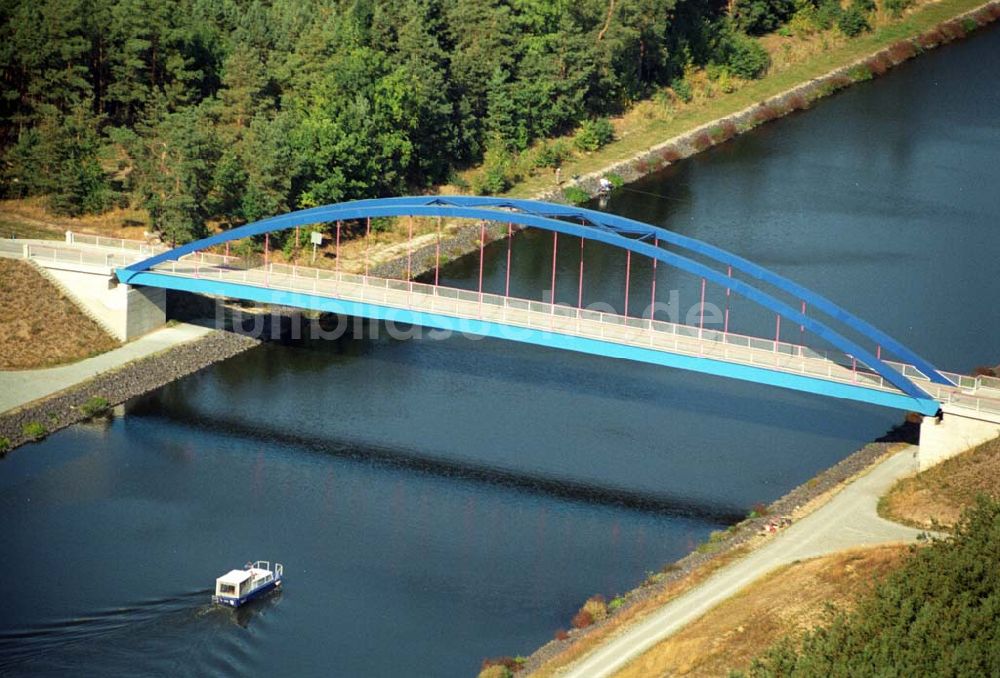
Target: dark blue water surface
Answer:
[[435, 502]]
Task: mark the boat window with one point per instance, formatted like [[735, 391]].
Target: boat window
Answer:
[[227, 589]]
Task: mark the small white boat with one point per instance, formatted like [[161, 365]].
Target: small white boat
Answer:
[[255, 579]]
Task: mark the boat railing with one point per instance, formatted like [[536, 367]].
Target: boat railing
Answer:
[[277, 570]]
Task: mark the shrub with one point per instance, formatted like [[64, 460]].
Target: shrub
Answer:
[[969, 25], [761, 16], [582, 619], [765, 113], [94, 405], [952, 30], [615, 179], [827, 13], [383, 224], [901, 51], [853, 22], [682, 89], [708, 547], [458, 181], [896, 7], [726, 83], [931, 38], [702, 141], [838, 82], [860, 73], [4, 445], [984, 16], [670, 154], [641, 166], [797, 102], [509, 663], [575, 195], [561, 634], [876, 65], [34, 430], [596, 608], [616, 603], [495, 671], [594, 134], [497, 174], [804, 22], [747, 58], [552, 155]]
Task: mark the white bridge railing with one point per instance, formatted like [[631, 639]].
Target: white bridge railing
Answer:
[[513, 312], [980, 393]]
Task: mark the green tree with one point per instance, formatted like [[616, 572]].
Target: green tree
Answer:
[[76, 181], [761, 16], [172, 159], [270, 168], [594, 134], [853, 22], [745, 57]]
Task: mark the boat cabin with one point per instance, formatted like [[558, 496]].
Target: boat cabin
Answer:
[[234, 584], [237, 586]]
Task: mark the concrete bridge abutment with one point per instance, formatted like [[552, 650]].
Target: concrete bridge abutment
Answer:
[[124, 311], [959, 430]]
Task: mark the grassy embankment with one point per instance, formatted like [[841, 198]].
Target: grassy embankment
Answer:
[[790, 600], [793, 599], [936, 497], [795, 60], [39, 326]]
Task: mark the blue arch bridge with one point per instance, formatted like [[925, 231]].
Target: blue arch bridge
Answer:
[[852, 364]]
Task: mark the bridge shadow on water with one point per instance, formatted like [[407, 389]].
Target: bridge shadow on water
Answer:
[[566, 372], [400, 459]]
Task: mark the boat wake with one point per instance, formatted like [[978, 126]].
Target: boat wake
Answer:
[[158, 623]]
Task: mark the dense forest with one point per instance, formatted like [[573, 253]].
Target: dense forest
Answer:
[[238, 109]]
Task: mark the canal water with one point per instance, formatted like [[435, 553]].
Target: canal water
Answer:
[[435, 502]]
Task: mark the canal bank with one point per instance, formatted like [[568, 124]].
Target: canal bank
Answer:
[[737, 542], [79, 392], [797, 98]]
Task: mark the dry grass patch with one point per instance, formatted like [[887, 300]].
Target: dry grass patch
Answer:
[[635, 612], [39, 327], [788, 601], [939, 494], [32, 215]]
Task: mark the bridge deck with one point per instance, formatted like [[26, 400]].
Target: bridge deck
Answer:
[[977, 394], [567, 320]]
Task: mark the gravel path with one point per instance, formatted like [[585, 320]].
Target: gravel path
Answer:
[[848, 520]]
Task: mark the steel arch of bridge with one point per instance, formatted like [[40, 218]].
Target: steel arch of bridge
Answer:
[[610, 229]]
